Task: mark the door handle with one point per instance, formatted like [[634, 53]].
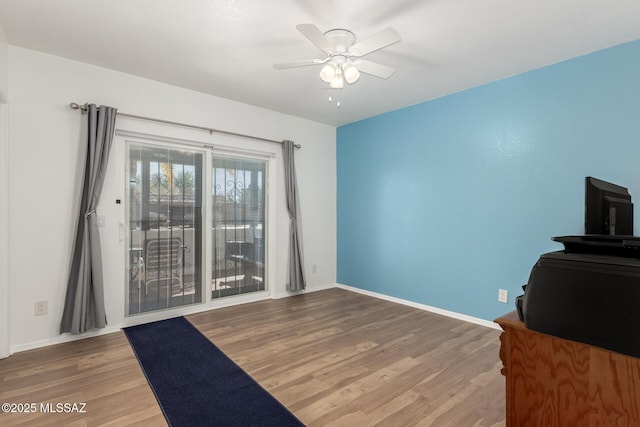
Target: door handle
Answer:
[[122, 231]]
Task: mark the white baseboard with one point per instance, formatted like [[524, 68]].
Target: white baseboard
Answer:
[[306, 291], [62, 339], [424, 307]]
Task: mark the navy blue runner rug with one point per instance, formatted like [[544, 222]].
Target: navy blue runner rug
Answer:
[[196, 384]]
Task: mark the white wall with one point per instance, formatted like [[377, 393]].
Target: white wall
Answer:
[[45, 154], [4, 200], [4, 60]]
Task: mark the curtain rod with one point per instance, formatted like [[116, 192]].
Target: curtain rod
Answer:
[[83, 108]]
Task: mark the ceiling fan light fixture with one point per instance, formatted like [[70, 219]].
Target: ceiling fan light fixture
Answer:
[[351, 73], [328, 72], [337, 82]]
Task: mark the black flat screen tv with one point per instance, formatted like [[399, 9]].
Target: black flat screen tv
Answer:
[[608, 209]]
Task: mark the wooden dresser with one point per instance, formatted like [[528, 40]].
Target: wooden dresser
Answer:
[[552, 381]]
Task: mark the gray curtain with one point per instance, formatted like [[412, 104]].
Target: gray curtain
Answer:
[[295, 276], [84, 304]]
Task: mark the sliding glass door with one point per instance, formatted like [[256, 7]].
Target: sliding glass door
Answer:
[[165, 205], [238, 190], [167, 242]]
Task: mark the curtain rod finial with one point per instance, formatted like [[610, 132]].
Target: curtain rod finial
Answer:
[[76, 106]]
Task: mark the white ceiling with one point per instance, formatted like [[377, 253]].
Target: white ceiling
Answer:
[[227, 47]]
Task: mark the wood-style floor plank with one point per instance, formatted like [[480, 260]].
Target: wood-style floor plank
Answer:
[[101, 372], [334, 358]]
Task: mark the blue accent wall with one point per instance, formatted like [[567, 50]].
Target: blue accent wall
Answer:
[[445, 202]]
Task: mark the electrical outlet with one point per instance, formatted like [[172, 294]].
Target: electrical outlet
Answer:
[[503, 295], [41, 308]]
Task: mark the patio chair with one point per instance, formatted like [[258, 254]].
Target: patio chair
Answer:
[[163, 263]]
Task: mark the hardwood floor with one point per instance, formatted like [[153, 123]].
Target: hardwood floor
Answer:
[[102, 372], [334, 358]]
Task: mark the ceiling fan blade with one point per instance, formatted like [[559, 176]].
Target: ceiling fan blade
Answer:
[[316, 36], [303, 63], [375, 69], [381, 39]]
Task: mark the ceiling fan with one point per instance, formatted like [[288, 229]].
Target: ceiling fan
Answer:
[[343, 61]]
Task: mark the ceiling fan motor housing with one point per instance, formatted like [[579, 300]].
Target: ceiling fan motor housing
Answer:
[[341, 40]]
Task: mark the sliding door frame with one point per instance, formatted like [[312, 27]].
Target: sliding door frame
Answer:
[[270, 229], [163, 234], [210, 150]]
